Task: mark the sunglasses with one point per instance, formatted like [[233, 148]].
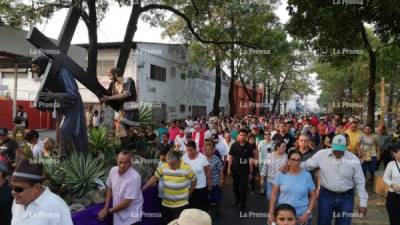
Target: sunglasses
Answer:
[[297, 160], [17, 189]]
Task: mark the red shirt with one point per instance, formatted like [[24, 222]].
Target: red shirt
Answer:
[[322, 129], [173, 132], [314, 121]]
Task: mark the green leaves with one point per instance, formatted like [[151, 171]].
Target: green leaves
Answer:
[[98, 139], [80, 173], [145, 113], [76, 175]]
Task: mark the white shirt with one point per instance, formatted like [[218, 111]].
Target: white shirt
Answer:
[[339, 175], [37, 149], [223, 147], [181, 141], [207, 134], [47, 209], [197, 139], [392, 175], [189, 130], [198, 165], [273, 133]]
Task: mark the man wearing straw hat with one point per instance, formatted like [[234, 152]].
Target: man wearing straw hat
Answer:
[[34, 204], [192, 217]]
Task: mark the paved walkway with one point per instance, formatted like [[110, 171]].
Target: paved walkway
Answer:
[[256, 210]]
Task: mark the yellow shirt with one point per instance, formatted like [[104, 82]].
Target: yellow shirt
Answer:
[[176, 184], [354, 137]]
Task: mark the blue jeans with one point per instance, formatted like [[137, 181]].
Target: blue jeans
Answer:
[[370, 166], [339, 206], [268, 189]]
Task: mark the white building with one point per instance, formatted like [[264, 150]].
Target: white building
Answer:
[[156, 69]]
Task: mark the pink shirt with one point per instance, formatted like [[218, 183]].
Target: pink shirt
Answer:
[[126, 186], [173, 132]]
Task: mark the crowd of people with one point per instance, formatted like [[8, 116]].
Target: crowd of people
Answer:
[[304, 166], [310, 163]]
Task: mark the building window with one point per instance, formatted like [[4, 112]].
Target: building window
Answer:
[[182, 108], [198, 111], [158, 73], [103, 66], [173, 72]]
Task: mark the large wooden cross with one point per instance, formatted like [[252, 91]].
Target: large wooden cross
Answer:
[[59, 57]]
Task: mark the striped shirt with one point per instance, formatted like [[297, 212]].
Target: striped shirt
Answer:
[[339, 175], [176, 184]]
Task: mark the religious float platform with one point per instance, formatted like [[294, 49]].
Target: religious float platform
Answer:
[[151, 211]]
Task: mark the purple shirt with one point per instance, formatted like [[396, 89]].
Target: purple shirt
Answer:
[[331, 129], [126, 186]]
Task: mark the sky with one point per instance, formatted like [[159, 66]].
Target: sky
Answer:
[[112, 29]]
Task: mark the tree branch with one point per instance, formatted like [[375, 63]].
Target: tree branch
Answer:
[[384, 46], [192, 29]]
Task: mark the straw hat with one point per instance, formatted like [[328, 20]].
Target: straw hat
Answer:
[[192, 217]]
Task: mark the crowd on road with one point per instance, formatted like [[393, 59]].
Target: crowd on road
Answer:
[[300, 164]]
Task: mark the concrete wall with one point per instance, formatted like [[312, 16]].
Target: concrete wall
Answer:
[[175, 91]]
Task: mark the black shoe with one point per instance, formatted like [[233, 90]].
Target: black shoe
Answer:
[[242, 209]]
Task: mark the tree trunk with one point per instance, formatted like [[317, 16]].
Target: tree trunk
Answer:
[[350, 98], [269, 94], [127, 44], [278, 92], [276, 99], [254, 87], [372, 78], [390, 104], [232, 84], [249, 96], [92, 36], [279, 106], [217, 94], [262, 111]]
